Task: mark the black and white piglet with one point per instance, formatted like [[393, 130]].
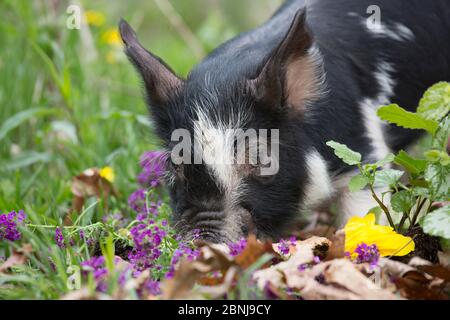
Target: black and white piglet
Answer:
[[316, 71]]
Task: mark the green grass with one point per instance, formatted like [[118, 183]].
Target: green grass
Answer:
[[64, 107]]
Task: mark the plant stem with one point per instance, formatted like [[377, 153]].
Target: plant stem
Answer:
[[382, 206], [416, 214], [402, 222]]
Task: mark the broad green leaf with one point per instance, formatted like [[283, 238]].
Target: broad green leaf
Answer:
[[412, 165], [388, 159], [357, 183], [440, 141], [19, 118], [435, 103], [347, 155], [387, 177], [438, 156], [437, 223], [421, 192], [402, 201], [402, 118], [438, 177]]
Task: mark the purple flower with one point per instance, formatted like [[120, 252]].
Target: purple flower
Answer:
[[59, 238], [284, 245], [237, 247], [137, 202], [152, 287], [153, 168], [96, 266], [147, 239], [9, 223], [303, 266], [367, 254], [184, 250]]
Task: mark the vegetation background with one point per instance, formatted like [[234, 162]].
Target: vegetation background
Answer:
[[69, 99]]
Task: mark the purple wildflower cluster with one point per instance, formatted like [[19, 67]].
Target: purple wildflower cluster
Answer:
[[184, 250], [97, 267], [147, 239], [367, 254], [59, 238], [153, 168], [137, 202], [9, 223], [237, 247], [284, 245]]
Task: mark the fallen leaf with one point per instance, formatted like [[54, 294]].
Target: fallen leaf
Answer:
[[281, 273], [252, 252], [18, 257], [92, 182], [343, 274], [337, 248], [188, 273]]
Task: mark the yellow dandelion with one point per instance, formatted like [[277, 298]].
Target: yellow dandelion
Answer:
[[107, 173], [112, 37], [94, 18], [364, 230]]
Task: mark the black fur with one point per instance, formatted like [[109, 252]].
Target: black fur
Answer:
[[350, 54]]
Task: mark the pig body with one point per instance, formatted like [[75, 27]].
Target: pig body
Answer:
[[312, 73]]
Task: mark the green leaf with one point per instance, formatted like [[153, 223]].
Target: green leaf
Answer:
[[435, 103], [387, 177], [438, 177], [412, 165], [438, 156], [437, 223], [402, 118], [402, 201], [440, 140], [421, 192], [19, 118], [347, 155], [357, 183], [388, 159]]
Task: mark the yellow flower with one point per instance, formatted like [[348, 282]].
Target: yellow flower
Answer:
[[94, 18], [364, 230], [112, 37], [107, 173]]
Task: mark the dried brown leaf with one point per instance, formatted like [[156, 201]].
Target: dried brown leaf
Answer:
[[252, 252], [281, 273], [18, 257], [89, 184]]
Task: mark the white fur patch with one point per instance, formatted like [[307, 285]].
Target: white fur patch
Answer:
[[374, 125], [395, 31], [217, 140], [318, 188]]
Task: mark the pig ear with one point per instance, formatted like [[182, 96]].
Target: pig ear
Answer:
[[292, 75], [160, 81]]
